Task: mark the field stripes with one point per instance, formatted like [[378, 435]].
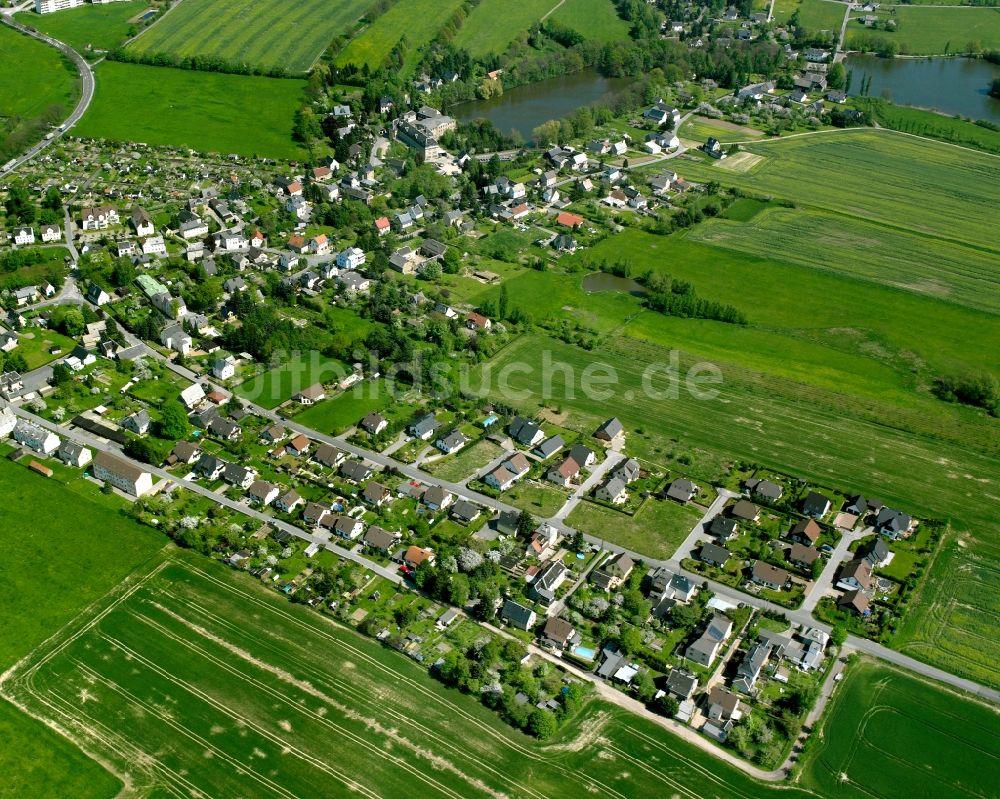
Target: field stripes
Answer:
[[264, 34]]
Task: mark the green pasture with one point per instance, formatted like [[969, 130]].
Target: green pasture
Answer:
[[273, 387], [494, 24], [100, 27], [416, 20], [228, 106]]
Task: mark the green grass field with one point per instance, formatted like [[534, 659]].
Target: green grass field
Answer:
[[261, 33], [953, 619], [228, 106], [197, 679], [467, 462], [26, 106], [272, 388], [697, 129], [922, 186], [821, 15], [657, 529], [947, 270], [935, 31], [49, 572], [888, 734], [494, 24], [337, 414], [101, 27], [938, 126], [593, 19], [417, 20]]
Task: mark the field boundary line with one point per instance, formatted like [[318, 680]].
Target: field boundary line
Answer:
[[125, 586], [453, 707], [324, 681]]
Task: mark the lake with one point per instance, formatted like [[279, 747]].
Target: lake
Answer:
[[599, 282], [950, 85], [526, 107]]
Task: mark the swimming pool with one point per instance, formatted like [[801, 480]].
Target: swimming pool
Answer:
[[584, 652]]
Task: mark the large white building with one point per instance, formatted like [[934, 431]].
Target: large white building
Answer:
[[122, 474], [48, 6]]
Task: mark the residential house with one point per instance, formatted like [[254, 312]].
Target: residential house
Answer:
[[210, 467], [184, 452], [299, 445], [374, 423], [452, 442], [175, 338], [558, 633], [192, 396], [518, 615], [437, 498], [99, 218], [35, 437], [543, 587], [749, 669], [564, 472], [610, 431], [378, 539], [376, 494], [705, 648], [549, 447], [262, 492], [51, 233], [714, 554], [875, 552], [415, 555], [856, 600], [465, 512], [769, 576], [713, 147], [328, 455], [746, 511], [526, 431], [24, 236], [893, 523], [612, 490], [681, 684], [142, 222], [122, 474], [682, 490], [310, 395], [855, 575], [771, 492], [223, 429], [724, 528], [476, 321], [806, 532], [423, 427], [802, 555], [613, 572], [137, 422], [289, 501], [239, 476], [508, 472], [97, 295], [73, 454], [816, 505], [355, 471], [314, 513], [627, 471]]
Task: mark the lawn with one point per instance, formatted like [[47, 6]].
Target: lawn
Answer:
[[889, 734], [263, 34], [101, 27], [922, 186], [656, 530], [466, 463], [417, 20], [192, 694], [228, 106], [51, 570], [698, 129], [821, 15], [593, 19], [27, 106], [538, 498], [494, 24], [852, 314], [936, 31], [962, 274], [337, 414], [273, 387], [36, 348]]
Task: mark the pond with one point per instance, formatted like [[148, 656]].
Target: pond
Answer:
[[600, 282], [950, 85], [526, 107]]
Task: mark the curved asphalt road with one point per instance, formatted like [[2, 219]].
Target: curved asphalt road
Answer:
[[86, 74]]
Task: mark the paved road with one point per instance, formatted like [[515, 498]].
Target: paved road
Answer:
[[611, 461], [86, 75], [99, 444], [725, 592], [839, 554], [698, 531]]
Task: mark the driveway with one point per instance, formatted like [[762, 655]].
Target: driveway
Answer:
[[698, 532]]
